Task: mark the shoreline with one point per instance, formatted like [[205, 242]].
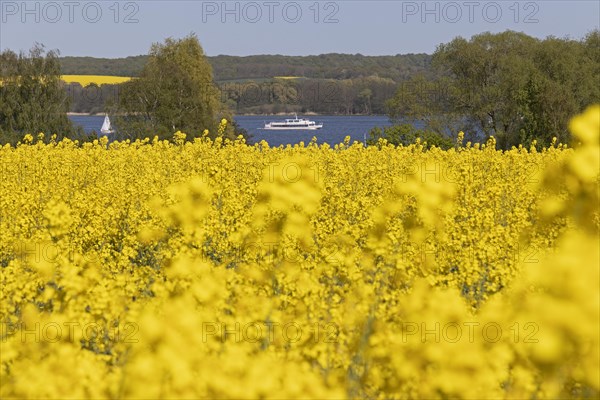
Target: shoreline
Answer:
[[74, 114]]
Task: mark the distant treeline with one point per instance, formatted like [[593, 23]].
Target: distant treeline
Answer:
[[129, 66], [328, 83], [227, 68], [324, 96]]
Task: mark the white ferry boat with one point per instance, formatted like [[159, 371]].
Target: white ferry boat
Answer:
[[293, 123]]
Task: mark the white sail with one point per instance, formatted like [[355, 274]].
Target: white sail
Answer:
[[106, 128]]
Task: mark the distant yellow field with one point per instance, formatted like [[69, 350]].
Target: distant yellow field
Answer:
[[85, 80], [287, 77]]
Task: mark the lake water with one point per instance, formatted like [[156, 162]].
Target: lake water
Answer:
[[335, 128]]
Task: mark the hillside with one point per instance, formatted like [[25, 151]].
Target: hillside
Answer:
[[129, 66], [227, 68], [334, 83]]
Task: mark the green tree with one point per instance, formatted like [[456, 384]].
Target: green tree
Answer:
[[433, 102], [174, 92], [564, 81], [32, 96], [509, 85]]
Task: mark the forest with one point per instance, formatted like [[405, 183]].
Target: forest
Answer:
[[270, 84]]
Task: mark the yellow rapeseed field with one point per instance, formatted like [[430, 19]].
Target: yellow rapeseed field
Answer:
[[215, 269], [85, 80]]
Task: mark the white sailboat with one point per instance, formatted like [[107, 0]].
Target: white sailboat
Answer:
[[106, 128]]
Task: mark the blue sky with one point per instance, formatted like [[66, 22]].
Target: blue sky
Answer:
[[123, 28]]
